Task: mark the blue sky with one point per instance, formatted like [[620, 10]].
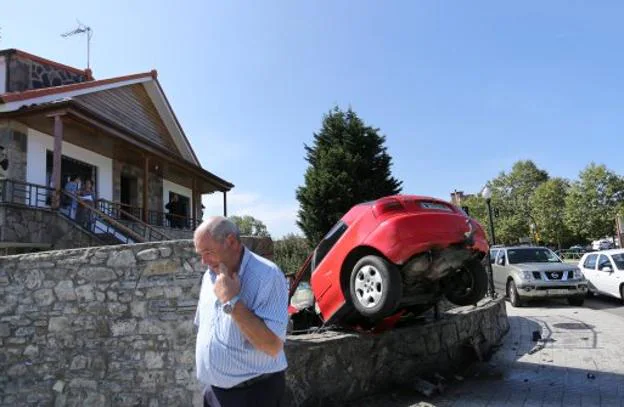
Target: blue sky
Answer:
[[461, 89]]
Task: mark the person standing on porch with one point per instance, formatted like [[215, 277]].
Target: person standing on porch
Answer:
[[241, 319], [72, 187]]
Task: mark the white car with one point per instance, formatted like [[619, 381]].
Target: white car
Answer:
[[605, 272]]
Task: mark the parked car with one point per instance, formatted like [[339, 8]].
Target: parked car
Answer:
[[526, 273], [602, 244], [604, 270], [397, 253]]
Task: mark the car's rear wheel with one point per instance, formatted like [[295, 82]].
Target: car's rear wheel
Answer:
[[622, 293], [375, 287], [468, 285], [512, 294]]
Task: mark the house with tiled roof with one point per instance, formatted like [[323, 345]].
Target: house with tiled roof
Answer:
[[58, 123]]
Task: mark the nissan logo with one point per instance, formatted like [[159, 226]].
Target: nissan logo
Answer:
[[555, 275]]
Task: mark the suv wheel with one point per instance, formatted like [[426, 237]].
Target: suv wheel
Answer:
[[512, 294], [622, 293], [375, 287], [576, 301]]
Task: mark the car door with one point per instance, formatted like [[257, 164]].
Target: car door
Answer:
[[499, 271], [588, 267], [495, 277], [609, 280]]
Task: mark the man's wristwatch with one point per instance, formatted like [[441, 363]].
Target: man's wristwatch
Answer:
[[229, 306]]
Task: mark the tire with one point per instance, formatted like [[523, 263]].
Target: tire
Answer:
[[375, 287], [468, 285], [622, 293], [576, 301], [512, 294]]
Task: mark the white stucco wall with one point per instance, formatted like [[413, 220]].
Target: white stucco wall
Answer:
[[169, 186], [39, 142]]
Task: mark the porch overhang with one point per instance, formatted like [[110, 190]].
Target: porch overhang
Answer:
[[72, 112]]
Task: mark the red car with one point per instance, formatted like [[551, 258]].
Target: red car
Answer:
[[394, 254]]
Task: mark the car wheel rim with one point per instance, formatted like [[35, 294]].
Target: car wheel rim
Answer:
[[512, 293], [368, 286]]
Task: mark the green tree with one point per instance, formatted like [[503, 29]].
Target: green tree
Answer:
[[290, 252], [548, 209], [511, 197], [348, 164], [250, 226], [593, 202]]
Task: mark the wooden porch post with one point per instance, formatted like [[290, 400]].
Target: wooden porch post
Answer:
[[56, 160], [194, 202], [145, 188], [225, 203]]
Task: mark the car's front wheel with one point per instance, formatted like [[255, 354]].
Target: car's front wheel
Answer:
[[512, 294], [576, 301], [375, 287]]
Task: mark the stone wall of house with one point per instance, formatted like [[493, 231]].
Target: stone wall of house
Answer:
[[24, 73], [155, 185], [14, 143], [41, 226]]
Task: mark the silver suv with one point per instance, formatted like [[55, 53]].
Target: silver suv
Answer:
[[526, 272]]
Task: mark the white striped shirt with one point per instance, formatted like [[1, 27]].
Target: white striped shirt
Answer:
[[223, 356]]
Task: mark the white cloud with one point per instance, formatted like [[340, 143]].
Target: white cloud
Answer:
[[279, 217]]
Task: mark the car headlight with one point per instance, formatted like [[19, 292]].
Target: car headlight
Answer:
[[577, 274], [526, 275]]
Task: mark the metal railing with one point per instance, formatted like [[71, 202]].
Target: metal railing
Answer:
[[25, 194], [106, 228], [119, 210], [154, 218], [131, 221]]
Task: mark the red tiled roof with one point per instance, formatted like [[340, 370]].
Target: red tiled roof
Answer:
[[34, 93]]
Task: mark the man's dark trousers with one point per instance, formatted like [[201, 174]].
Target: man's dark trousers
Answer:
[[267, 392]]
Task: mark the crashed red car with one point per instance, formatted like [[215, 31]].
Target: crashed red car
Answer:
[[398, 253]]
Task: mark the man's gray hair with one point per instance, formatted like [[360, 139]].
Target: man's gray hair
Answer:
[[221, 227]]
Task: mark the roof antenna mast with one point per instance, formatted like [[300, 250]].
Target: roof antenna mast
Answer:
[[82, 29]]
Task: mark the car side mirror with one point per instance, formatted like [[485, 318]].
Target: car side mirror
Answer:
[[466, 209], [607, 269]]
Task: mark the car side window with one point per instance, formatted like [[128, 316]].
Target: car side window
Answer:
[[604, 262], [590, 262], [493, 254]]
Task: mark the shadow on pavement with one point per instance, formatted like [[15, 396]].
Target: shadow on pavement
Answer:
[[600, 302]]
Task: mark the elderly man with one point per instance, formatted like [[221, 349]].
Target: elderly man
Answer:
[[241, 317]]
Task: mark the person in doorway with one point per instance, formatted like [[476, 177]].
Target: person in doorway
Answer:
[[175, 207], [72, 187], [87, 196], [242, 317]]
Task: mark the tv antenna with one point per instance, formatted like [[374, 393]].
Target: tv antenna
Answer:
[[82, 29]]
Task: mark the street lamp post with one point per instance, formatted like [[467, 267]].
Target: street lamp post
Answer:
[[487, 194]]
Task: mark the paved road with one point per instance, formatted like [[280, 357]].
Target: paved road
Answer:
[[578, 362]]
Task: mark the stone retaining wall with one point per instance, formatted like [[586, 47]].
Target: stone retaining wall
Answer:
[[28, 225], [112, 326]]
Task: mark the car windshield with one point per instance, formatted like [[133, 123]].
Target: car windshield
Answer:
[[619, 260], [533, 255]]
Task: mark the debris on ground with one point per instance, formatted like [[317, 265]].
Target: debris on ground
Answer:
[[537, 335], [424, 387], [536, 348]]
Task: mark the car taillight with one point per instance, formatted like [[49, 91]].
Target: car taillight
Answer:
[[387, 206]]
